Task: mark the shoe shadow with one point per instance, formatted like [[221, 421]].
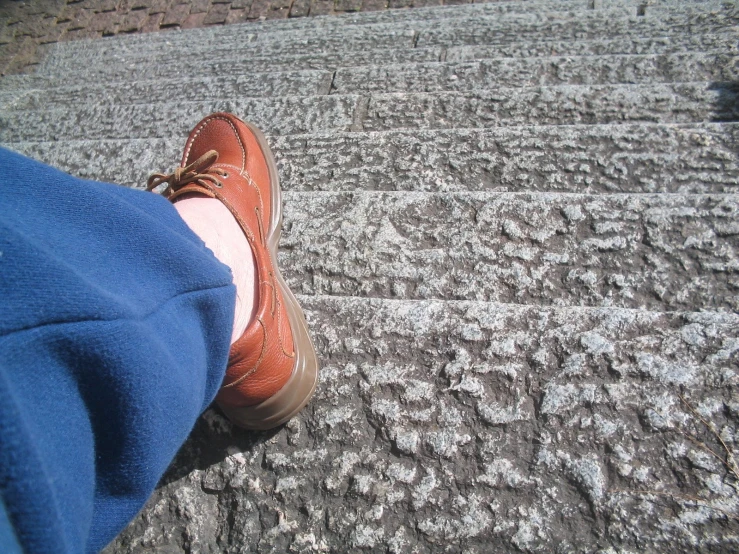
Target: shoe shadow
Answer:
[[726, 105], [211, 441]]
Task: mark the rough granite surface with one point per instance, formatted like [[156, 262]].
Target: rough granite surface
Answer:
[[657, 252], [228, 60], [456, 31], [514, 228], [558, 105], [417, 77], [572, 158], [28, 28]]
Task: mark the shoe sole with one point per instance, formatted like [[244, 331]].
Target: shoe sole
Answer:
[[297, 392]]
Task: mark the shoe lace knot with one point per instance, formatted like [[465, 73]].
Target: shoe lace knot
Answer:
[[199, 172]]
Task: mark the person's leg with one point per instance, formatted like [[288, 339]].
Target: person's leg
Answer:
[[8, 541], [115, 322], [273, 367], [213, 223]]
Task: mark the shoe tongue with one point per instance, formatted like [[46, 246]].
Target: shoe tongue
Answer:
[[192, 188]]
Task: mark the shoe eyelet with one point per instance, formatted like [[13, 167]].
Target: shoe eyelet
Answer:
[[225, 175], [218, 185]]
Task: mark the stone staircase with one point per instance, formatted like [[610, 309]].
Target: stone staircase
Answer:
[[514, 228]]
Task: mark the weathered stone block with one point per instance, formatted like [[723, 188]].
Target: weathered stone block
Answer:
[[133, 21], [237, 16], [200, 6], [300, 8], [259, 9], [194, 21], [152, 23], [322, 7], [374, 5], [348, 5], [216, 14], [176, 15]]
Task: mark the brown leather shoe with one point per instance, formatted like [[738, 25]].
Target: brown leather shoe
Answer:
[[272, 369]]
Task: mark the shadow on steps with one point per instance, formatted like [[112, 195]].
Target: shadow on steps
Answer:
[[212, 440], [726, 106]]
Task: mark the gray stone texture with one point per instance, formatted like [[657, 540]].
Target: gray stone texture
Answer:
[[725, 43], [582, 158], [288, 114], [563, 105], [230, 60], [514, 228], [412, 77], [582, 25], [192, 89], [593, 24], [466, 426], [655, 252], [530, 72], [283, 42]]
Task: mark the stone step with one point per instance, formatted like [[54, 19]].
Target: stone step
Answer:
[[60, 62], [655, 252], [388, 78], [443, 342], [582, 158], [565, 105], [233, 62], [465, 422], [436, 14], [315, 28], [417, 18], [280, 115], [542, 71], [518, 370], [561, 26], [725, 43], [583, 26], [190, 89]]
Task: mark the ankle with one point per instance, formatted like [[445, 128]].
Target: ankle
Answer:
[[215, 225]]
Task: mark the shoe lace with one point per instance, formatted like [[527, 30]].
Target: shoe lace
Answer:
[[199, 171]]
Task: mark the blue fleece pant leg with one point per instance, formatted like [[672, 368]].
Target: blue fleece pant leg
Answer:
[[115, 322]]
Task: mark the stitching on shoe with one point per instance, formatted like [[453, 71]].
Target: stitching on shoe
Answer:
[[279, 334], [258, 362], [234, 168], [260, 226], [238, 218], [200, 130], [245, 175], [270, 285], [276, 304]]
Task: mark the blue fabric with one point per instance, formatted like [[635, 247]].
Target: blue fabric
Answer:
[[115, 322], [8, 540]]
